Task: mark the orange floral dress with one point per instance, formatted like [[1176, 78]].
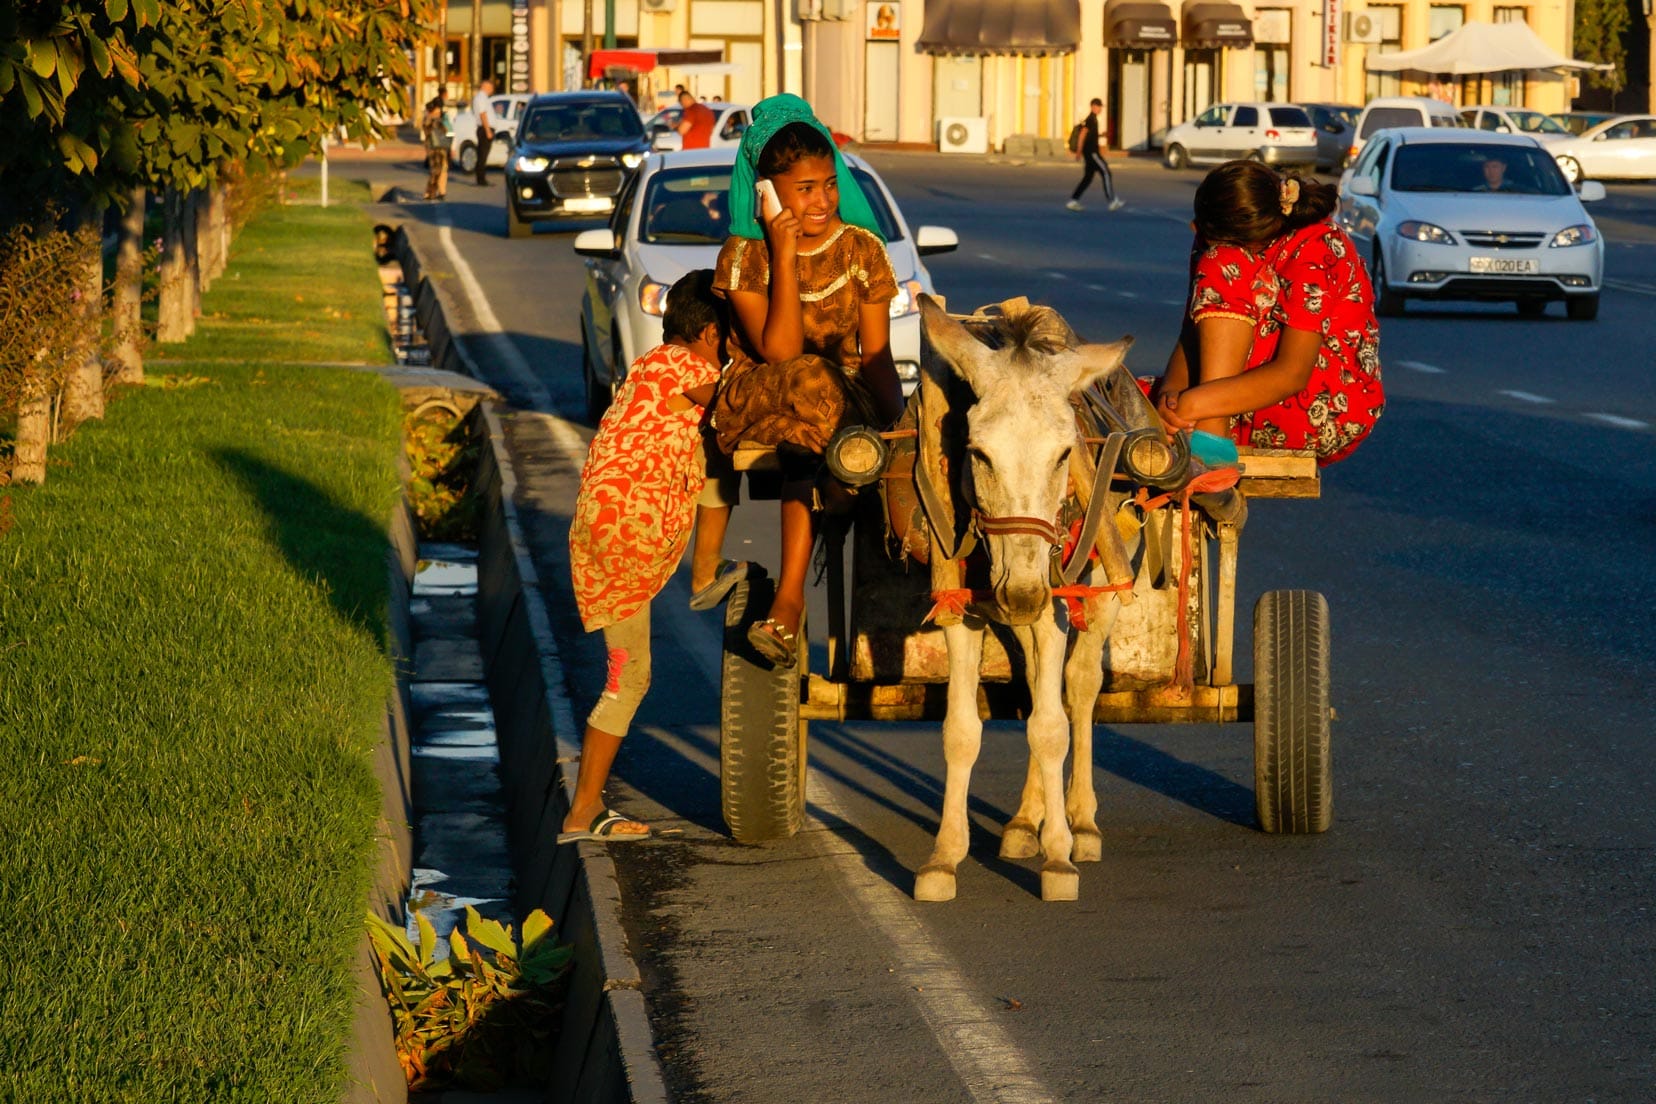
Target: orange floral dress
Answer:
[[637, 503]]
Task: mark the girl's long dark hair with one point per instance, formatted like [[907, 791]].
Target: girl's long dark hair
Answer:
[[790, 145], [1241, 202]]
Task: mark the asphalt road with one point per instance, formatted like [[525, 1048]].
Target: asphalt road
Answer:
[[1476, 926]]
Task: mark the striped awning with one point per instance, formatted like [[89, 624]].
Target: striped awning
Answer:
[[1029, 27]]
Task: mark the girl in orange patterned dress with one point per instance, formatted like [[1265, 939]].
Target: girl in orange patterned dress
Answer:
[[633, 519]]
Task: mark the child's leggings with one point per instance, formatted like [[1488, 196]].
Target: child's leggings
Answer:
[[628, 644]]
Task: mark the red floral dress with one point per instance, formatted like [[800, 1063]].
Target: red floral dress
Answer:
[[1309, 280], [637, 503]]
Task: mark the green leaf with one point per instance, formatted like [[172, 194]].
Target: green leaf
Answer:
[[428, 939], [536, 926], [148, 11], [99, 54], [43, 57], [489, 933], [115, 9], [31, 97]]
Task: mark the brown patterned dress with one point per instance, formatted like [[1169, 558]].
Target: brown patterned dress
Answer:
[[803, 400]]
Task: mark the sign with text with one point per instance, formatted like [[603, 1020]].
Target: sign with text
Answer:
[[885, 22], [1330, 33]]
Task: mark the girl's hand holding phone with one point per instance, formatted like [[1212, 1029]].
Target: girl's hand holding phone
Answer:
[[769, 205]]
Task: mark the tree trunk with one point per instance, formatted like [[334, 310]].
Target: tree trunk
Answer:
[[128, 353], [173, 317], [192, 252], [34, 431], [83, 397], [218, 234]]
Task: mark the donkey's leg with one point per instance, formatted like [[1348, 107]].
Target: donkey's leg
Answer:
[[962, 736], [1083, 675], [1018, 838], [1043, 644]]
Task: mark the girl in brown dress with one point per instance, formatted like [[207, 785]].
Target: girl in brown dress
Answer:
[[810, 289]]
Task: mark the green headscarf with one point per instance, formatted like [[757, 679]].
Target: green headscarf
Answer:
[[769, 116]]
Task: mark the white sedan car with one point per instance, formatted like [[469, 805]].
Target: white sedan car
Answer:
[[670, 220], [463, 145], [1622, 149], [1453, 214]]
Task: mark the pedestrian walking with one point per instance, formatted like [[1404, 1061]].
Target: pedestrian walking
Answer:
[[484, 110], [437, 133], [1093, 159]]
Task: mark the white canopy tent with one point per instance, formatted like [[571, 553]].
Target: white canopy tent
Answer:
[[1474, 48]]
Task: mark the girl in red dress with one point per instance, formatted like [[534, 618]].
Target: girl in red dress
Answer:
[[1280, 348]]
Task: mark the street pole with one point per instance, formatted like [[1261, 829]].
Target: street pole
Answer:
[[586, 47], [609, 24], [477, 43]]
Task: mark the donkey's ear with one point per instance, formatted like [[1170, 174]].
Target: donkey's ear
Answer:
[[948, 348], [1091, 363]]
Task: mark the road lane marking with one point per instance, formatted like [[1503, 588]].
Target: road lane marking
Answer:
[[1628, 285], [1056, 275], [1420, 366], [986, 256], [1526, 396], [983, 1055], [1097, 287], [1618, 421]]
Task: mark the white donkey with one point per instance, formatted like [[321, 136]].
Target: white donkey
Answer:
[[1020, 435]]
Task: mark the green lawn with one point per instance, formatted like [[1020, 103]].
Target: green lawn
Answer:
[[192, 676]]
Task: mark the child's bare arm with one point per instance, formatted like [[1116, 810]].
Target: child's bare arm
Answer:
[[878, 370], [1284, 375], [777, 334]]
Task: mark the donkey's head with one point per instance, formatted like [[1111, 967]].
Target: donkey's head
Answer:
[[1020, 434]]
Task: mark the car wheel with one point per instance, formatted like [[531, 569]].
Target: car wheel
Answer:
[[1387, 303], [1571, 169], [1532, 308], [1257, 156], [516, 227], [1582, 308], [1175, 157], [597, 400], [468, 157]]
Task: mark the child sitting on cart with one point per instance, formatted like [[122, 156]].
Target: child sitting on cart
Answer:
[[1280, 347], [810, 288], [633, 518]]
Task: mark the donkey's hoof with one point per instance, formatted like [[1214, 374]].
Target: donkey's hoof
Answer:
[[935, 882], [1088, 845], [1060, 881], [1018, 840]]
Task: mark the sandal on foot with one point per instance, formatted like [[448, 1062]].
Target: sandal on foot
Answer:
[[603, 830], [724, 581], [774, 642]]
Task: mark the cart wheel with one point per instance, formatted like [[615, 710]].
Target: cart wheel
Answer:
[[1293, 769], [761, 738]]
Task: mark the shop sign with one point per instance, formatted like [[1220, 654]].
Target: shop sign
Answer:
[[1330, 33], [885, 21]]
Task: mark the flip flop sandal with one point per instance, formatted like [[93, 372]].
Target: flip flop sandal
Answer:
[[603, 830], [772, 641], [729, 574]]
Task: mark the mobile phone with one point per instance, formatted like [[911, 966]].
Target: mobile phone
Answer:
[[769, 205]]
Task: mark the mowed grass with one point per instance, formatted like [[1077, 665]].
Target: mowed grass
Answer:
[[193, 673]]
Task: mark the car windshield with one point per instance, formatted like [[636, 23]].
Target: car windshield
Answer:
[[1533, 122], [1512, 170], [577, 122], [689, 206]]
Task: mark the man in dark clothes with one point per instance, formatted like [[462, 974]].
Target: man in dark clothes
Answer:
[[1094, 160]]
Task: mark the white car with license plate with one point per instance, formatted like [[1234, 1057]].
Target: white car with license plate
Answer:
[[1458, 215], [670, 220], [1277, 134]]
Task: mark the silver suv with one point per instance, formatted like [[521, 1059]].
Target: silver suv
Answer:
[[1277, 134]]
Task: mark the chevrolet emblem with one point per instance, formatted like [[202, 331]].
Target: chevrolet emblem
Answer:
[[588, 162]]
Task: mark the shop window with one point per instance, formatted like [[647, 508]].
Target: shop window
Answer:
[[1272, 34], [1508, 88], [1390, 18]]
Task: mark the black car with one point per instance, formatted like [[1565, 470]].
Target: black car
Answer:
[[1335, 124], [574, 150]]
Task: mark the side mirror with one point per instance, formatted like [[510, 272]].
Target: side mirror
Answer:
[[940, 239], [1590, 191], [1362, 186], [598, 243]]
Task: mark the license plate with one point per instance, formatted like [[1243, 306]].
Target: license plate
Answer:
[[589, 203], [1505, 266]]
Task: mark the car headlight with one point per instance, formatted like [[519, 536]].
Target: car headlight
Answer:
[[632, 160], [531, 164], [652, 297], [1584, 234], [908, 298], [1425, 232]]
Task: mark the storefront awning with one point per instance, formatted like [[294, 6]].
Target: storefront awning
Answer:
[[1480, 48], [1000, 27], [1137, 25], [612, 63], [1211, 25]]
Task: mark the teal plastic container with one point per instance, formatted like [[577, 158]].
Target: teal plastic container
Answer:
[[1212, 450]]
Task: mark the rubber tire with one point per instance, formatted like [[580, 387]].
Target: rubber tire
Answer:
[[467, 161], [1571, 168], [597, 401], [1293, 765], [516, 227], [1387, 303], [761, 739], [1174, 157], [1582, 308], [1532, 308], [1257, 157]]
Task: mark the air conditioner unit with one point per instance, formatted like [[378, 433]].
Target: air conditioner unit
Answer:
[[1363, 27], [657, 5], [963, 134]]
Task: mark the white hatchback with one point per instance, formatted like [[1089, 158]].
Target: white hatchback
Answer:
[[1456, 214], [463, 144], [670, 220], [1277, 134]]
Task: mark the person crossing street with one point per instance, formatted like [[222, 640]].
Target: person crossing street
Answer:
[[1093, 159]]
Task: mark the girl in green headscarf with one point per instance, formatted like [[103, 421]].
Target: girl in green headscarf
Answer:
[[810, 290]]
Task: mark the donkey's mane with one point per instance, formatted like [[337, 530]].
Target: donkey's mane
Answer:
[[1033, 330]]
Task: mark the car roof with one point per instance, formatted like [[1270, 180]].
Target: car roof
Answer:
[[1409, 101], [1457, 136], [590, 95], [715, 156]]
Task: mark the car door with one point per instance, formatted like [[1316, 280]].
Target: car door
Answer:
[[1211, 130], [606, 281], [1244, 134], [1611, 153], [731, 128], [1641, 154], [1360, 214]]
